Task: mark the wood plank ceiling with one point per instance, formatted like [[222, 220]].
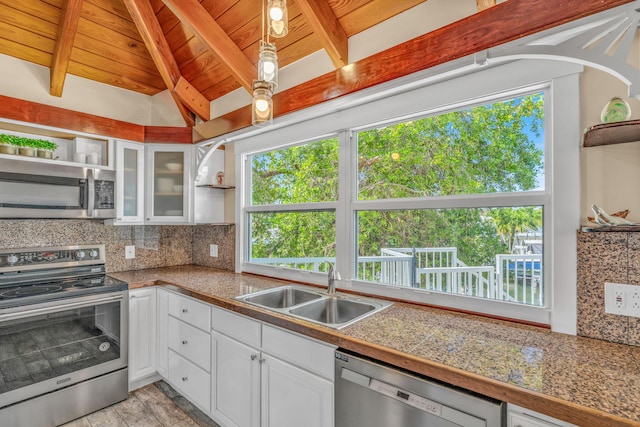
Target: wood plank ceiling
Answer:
[[198, 49]]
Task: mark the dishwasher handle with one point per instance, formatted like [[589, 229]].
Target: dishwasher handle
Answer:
[[354, 377]]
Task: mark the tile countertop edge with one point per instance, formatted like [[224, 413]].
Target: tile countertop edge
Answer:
[[536, 401]]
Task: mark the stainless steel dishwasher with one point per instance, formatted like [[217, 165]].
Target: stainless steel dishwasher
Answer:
[[371, 394]]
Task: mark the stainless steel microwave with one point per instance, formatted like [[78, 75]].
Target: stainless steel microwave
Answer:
[[45, 190]]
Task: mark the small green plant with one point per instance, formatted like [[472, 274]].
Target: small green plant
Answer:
[[19, 141], [10, 140], [42, 144]]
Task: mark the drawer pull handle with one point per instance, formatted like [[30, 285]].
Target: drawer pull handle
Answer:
[[185, 310], [185, 379], [261, 360], [185, 342], [254, 356]]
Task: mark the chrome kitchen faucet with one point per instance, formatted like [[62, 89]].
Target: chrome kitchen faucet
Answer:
[[333, 276]]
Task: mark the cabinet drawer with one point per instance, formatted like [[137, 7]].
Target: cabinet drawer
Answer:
[[194, 312], [303, 352], [190, 342], [190, 380], [236, 326]]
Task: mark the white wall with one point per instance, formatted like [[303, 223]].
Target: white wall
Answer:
[[30, 82]]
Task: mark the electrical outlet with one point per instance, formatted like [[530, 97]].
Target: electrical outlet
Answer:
[[614, 298], [213, 251], [622, 299], [619, 299], [129, 252], [634, 301]]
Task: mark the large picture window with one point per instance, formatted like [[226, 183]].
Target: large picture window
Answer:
[[470, 202]]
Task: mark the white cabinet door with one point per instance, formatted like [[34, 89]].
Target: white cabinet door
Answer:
[[235, 389], [129, 183], [142, 333], [292, 397], [517, 416], [169, 185], [162, 321]]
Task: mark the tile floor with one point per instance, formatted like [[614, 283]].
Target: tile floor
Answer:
[[154, 405]]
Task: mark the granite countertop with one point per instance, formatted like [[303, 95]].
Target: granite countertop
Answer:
[[584, 381]]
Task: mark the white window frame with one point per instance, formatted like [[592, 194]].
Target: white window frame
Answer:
[[560, 196]]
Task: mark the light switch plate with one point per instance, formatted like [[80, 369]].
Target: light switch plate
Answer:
[[213, 251]]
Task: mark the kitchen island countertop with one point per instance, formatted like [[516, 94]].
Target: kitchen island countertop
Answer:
[[584, 381]]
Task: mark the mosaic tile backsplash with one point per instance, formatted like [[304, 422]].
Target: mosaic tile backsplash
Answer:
[[606, 257], [156, 245]]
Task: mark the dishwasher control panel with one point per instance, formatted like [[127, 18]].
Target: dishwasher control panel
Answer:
[[407, 397]]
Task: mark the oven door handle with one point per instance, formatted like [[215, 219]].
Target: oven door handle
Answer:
[[91, 194], [57, 308]]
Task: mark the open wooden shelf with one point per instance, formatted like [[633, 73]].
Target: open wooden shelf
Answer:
[[215, 186], [612, 133]]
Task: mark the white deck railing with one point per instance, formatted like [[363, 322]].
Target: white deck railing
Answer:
[[516, 278], [519, 278]]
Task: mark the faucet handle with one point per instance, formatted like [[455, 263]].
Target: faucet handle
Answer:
[[333, 273]]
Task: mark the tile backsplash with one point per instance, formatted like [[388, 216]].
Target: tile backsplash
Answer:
[[606, 257], [602, 257], [156, 245]]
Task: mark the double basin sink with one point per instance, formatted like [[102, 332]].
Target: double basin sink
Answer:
[[336, 311]]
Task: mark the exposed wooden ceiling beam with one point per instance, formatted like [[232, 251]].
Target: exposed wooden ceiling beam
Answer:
[[151, 32], [195, 17], [485, 4], [326, 27], [193, 99], [69, 17], [503, 23]]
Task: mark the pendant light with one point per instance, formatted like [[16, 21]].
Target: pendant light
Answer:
[[262, 105], [268, 63], [277, 17]]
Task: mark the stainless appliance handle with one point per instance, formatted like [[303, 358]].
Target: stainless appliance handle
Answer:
[[58, 307], [91, 180]]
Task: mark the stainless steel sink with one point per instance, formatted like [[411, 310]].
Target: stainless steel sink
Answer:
[[333, 310], [336, 311], [282, 297]]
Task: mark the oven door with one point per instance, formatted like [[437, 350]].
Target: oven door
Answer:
[[48, 346]]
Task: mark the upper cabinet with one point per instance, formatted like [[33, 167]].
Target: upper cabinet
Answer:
[[169, 184], [154, 183]]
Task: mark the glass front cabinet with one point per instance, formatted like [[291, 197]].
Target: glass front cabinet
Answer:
[[153, 183], [129, 182]]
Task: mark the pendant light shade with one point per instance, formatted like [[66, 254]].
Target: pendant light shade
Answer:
[[262, 105], [268, 63], [277, 17]]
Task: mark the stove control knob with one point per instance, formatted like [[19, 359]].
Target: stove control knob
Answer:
[[80, 255], [12, 259], [93, 253]]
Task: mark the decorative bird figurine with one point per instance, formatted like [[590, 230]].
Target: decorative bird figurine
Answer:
[[603, 218]]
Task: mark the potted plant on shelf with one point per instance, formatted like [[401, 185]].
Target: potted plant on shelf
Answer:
[[9, 144], [27, 147], [45, 148]]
